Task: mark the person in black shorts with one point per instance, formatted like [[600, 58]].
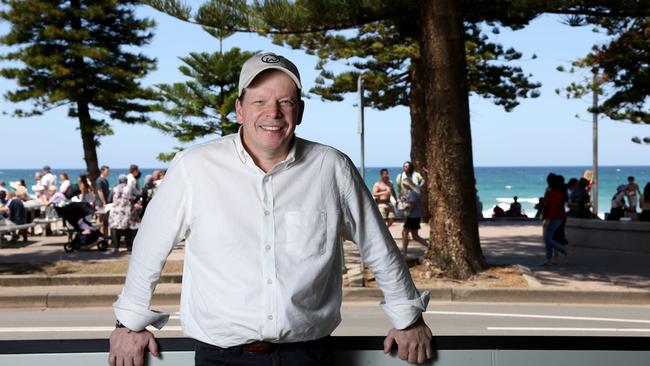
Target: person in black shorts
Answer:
[[413, 215]]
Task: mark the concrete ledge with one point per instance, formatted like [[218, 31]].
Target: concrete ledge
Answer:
[[169, 294], [631, 236], [22, 298], [76, 280], [551, 296]]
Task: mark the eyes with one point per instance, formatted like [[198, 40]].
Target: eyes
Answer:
[[285, 104]]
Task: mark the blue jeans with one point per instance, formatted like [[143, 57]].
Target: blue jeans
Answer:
[[313, 353], [551, 244]]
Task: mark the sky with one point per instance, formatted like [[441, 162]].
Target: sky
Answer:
[[539, 132]]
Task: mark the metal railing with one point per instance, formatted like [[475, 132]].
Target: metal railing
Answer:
[[353, 351]]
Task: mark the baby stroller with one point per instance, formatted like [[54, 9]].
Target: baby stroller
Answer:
[[83, 233]]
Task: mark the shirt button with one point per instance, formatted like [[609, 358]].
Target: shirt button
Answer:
[[269, 281], [268, 247], [270, 317], [267, 212]]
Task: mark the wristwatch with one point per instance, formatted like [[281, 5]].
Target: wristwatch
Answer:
[[119, 324]]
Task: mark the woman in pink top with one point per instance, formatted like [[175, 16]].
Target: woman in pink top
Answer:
[[553, 214]]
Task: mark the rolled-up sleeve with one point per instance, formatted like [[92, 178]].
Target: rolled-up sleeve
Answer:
[[363, 224], [165, 223]]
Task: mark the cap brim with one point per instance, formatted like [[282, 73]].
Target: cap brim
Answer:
[[253, 76]]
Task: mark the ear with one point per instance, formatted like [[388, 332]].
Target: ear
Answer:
[[239, 114], [300, 111]]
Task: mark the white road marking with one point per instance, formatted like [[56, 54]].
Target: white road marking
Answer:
[[565, 329], [74, 329], [537, 316]]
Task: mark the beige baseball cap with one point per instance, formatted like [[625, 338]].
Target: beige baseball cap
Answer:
[[265, 61]]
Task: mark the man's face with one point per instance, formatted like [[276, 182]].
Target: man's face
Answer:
[[406, 167], [384, 177], [269, 113], [105, 172]]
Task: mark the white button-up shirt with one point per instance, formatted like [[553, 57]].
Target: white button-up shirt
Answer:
[[262, 250]]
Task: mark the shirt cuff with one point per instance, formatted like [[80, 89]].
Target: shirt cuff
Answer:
[[138, 319], [404, 313]]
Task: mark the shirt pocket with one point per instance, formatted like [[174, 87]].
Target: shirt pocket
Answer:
[[306, 232]]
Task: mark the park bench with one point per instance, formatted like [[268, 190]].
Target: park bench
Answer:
[[44, 223], [12, 228]]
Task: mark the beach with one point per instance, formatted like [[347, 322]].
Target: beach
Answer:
[[496, 185]]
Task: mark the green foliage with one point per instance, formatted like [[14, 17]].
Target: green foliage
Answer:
[[205, 104], [71, 52], [384, 57], [620, 70]]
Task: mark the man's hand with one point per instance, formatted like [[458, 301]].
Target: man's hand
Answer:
[[127, 347], [413, 342]]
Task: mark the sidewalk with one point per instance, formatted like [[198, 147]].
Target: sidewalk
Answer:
[[588, 276]]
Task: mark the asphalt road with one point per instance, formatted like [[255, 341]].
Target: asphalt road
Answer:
[[364, 319]]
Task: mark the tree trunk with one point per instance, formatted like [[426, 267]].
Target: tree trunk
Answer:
[[87, 128], [419, 132], [455, 246]]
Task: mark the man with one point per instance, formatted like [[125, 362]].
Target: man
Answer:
[[408, 172], [515, 208], [3, 187], [632, 197], [132, 180], [157, 177], [414, 217], [102, 187], [262, 213], [382, 191], [37, 178], [48, 179], [14, 210]]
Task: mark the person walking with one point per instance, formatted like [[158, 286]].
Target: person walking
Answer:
[[408, 172], [383, 191], [120, 218], [553, 215], [413, 216], [262, 213]]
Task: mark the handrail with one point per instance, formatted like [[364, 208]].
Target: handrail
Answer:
[[549, 343]]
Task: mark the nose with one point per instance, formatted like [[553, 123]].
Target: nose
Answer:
[[273, 110]]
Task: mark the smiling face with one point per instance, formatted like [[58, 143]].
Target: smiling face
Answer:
[[269, 112]]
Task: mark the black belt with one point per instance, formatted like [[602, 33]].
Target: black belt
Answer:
[[263, 347]]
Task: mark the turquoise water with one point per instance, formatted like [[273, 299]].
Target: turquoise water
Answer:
[[496, 185]]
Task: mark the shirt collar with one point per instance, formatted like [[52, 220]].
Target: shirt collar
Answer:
[[245, 158]]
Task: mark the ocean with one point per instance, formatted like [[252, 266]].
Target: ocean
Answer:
[[496, 185]]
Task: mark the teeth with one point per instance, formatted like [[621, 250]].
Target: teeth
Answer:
[[271, 128]]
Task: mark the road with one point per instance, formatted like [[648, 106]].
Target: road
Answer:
[[367, 319]]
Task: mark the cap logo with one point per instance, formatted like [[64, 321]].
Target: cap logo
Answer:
[[270, 59]]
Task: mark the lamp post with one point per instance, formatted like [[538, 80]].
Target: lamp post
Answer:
[[594, 179], [361, 132], [363, 161]]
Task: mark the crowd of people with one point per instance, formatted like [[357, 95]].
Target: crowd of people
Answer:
[[125, 202], [405, 203], [573, 199], [627, 198]]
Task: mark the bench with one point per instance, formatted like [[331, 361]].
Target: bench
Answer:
[[45, 222], [12, 228]]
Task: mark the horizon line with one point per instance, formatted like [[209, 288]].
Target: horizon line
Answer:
[[384, 166]]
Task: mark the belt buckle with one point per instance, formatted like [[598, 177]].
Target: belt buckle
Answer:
[[259, 347]]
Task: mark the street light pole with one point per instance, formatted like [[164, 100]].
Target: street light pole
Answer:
[[594, 181], [361, 132], [363, 161]]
